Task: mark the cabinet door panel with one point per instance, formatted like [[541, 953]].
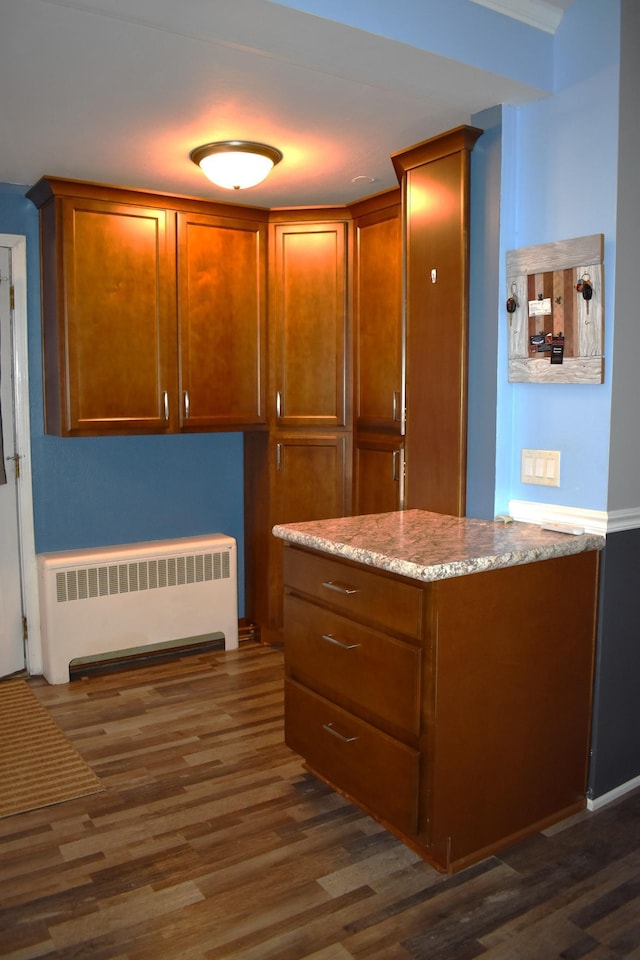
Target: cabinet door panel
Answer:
[[310, 483], [378, 322], [378, 475], [221, 290], [310, 324], [118, 283], [310, 477]]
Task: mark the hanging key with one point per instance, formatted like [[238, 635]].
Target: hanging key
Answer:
[[585, 287]]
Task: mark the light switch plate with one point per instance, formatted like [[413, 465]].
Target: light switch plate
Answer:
[[541, 466]]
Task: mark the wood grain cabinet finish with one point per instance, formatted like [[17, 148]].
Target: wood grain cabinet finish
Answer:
[[378, 473], [436, 182], [378, 321], [468, 698], [108, 317], [153, 314], [289, 476], [379, 356], [308, 482], [309, 324], [378, 770], [303, 471], [222, 321]]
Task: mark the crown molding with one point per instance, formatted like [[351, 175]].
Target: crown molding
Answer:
[[536, 13]]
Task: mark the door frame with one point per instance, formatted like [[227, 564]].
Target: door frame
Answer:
[[28, 566]]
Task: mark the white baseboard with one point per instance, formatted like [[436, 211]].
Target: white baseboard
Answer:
[[597, 802]]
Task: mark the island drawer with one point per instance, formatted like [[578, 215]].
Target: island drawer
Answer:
[[370, 673], [355, 591], [364, 763]]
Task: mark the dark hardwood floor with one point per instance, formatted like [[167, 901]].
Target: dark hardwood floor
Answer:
[[211, 841]]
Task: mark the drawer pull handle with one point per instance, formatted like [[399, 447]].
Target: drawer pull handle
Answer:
[[339, 587], [329, 727], [339, 643]]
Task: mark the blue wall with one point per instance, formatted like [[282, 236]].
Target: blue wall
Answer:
[[99, 491], [558, 183]]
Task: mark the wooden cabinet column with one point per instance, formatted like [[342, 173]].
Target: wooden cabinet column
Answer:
[[435, 179]]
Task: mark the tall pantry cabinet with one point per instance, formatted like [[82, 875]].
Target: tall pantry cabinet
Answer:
[[302, 469], [435, 177]]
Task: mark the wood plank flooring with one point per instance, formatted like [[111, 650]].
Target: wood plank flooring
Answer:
[[211, 842]]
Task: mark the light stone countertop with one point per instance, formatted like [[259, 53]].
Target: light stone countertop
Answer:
[[431, 546]]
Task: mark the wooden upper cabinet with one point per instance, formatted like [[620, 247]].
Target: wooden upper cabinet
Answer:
[[435, 176], [153, 311], [221, 309], [378, 333], [108, 296], [309, 324]]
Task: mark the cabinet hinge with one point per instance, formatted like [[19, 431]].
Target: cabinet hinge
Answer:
[[25, 629], [12, 298]]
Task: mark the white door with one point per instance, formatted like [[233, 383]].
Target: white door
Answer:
[[12, 652]]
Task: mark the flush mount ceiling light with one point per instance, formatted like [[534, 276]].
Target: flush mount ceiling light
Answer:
[[236, 164]]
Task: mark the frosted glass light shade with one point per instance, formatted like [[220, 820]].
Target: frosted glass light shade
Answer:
[[236, 164]]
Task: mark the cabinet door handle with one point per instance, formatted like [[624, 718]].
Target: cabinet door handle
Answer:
[[339, 643], [396, 406], [329, 727], [278, 455], [339, 587], [186, 405], [165, 398], [278, 403], [394, 465]]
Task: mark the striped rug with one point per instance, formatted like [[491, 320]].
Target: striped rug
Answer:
[[38, 764]]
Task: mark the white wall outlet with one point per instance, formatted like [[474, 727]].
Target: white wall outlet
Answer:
[[541, 466]]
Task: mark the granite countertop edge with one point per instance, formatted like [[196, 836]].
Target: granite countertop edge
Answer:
[[428, 570]]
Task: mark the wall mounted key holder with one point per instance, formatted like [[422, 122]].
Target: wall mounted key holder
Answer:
[[556, 331]]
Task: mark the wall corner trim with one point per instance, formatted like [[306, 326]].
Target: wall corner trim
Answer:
[[595, 803]]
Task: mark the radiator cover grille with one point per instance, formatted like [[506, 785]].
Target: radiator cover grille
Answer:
[[85, 583]]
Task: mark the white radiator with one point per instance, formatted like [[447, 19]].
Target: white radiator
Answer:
[[107, 600]]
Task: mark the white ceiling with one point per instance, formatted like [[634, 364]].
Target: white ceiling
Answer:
[[120, 91]]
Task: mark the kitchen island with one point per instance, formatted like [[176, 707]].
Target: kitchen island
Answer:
[[439, 672]]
